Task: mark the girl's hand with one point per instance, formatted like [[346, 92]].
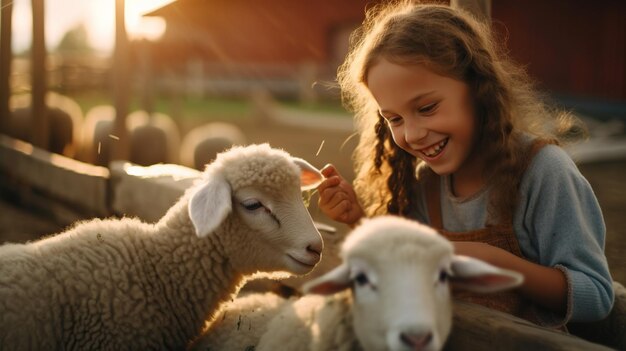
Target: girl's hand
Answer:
[[337, 198]]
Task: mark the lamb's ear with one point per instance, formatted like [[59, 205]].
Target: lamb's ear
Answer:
[[333, 281], [210, 205], [476, 275], [310, 177]]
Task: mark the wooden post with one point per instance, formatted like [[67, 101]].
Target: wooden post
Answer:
[[147, 81], [40, 127], [5, 64], [479, 8], [120, 143]]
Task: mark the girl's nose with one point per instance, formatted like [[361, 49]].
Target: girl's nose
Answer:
[[414, 133]]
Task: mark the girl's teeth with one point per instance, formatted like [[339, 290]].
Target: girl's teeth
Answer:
[[434, 151]]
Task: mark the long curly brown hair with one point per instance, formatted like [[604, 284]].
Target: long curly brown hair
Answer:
[[451, 43]]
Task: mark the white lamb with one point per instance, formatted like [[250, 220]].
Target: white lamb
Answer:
[[399, 273], [125, 284]]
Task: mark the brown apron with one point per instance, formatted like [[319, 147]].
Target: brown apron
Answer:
[[502, 236]]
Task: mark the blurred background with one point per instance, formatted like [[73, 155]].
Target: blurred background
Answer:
[[175, 81]]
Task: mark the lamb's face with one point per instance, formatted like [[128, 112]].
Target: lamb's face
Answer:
[[281, 231], [402, 303], [400, 273], [257, 192]]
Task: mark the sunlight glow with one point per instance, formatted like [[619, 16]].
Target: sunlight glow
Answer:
[[173, 171], [137, 26], [97, 15]]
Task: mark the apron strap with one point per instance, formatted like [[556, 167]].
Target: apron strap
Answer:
[[433, 201]]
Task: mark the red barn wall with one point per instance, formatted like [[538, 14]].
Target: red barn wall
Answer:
[[277, 31], [577, 47], [574, 47]]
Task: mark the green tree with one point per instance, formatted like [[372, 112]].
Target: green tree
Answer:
[[75, 41], [121, 70]]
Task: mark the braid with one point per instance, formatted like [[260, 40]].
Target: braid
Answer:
[[400, 182], [402, 164], [381, 136]]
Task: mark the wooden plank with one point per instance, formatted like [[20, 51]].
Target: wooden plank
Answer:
[[120, 150], [148, 192], [40, 121], [77, 183], [479, 328]]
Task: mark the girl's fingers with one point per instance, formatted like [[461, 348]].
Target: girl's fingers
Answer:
[[342, 206], [340, 210], [328, 192], [329, 170], [336, 199], [328, 183]]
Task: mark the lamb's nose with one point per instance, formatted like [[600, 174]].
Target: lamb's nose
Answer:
[[314, 250], [416, 341], [315, 247]]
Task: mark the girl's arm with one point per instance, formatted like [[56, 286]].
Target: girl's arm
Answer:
[[559, 225], [546, 286]]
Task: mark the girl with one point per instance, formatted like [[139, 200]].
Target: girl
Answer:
[[453, 135]]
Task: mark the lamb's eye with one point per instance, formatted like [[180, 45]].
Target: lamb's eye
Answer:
[[443, 276], [361, 279], [252, 204]]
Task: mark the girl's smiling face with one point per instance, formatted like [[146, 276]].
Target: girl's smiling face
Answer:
[[430, 116]]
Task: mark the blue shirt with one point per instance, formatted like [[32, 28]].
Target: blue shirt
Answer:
[[558, 223]]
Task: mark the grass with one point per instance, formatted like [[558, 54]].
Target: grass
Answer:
[[203, 108], [333, 107], [191, 107]]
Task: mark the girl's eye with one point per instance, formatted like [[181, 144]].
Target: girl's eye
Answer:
[[361, 279], [391, 120], [252, 205], [394, 120], [428, 109]]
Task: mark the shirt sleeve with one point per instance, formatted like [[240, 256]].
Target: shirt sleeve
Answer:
[[559, 224]]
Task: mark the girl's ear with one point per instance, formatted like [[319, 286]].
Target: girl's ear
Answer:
[[310, 177], [333, 281], [210, 205], [475, 275]]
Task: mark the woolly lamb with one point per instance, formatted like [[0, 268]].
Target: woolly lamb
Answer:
[[201, 144], [125, 284], [65, 118], [96, 142], [399, 272], [154, 138]]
